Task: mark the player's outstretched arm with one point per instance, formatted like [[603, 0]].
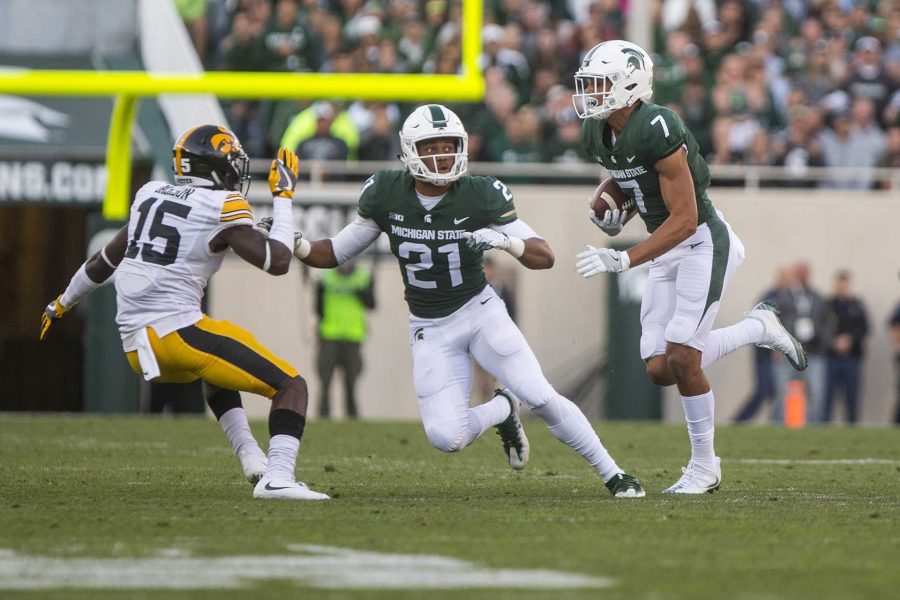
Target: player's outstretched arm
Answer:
[[515, 238], [677, 189], [253, 246], [537, 255], [350, 241], [89, 276]]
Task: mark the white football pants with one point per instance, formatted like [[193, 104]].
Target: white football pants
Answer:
[[442, 369]]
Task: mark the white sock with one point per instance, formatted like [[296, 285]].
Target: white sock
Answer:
[[569, 425], [487, 415], [699, 412], [237, 429], [724, 341], [282, 457]]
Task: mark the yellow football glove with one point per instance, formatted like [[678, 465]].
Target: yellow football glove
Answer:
[[54, 312], [283, 174]]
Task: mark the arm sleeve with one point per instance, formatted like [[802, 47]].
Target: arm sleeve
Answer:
[[517, 228], [354, 238]]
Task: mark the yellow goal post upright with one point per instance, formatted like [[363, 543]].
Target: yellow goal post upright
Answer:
[[128, 86]]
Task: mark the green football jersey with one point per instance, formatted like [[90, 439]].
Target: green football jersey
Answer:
[[652, 133], [439, 272]]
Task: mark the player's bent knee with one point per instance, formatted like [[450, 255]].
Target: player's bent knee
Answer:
[[682, 361], [658, 371], [445, 440]]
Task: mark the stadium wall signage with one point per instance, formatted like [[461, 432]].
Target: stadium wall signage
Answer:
[[59, 181]]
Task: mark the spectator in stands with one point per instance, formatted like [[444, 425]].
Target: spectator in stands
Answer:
[[307, 122], [380, 140], [849, 326], [867, 77], [804, 313], [521, 139], [510, 61], [323, 145], [798, 148], [193, 13], [292, 44], [736, 99], [854, 140], [244, 49]]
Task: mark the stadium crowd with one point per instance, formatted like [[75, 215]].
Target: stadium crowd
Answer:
[[795, 83]]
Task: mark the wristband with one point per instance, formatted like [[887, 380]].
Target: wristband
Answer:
[[626, 260], [282, 222], [516, 246]]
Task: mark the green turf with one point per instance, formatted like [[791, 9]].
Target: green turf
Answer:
[[133, 487]]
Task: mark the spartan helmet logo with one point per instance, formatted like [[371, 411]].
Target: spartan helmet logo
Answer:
[[635, 59]]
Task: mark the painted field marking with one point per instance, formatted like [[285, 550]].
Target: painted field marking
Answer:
[[316, 566], [814, 461]]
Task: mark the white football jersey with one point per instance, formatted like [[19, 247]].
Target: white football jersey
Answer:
[[168, 260]]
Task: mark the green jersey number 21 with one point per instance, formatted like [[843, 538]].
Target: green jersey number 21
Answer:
[[425, 263]]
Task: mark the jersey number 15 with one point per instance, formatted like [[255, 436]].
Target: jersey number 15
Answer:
[[158, 229]]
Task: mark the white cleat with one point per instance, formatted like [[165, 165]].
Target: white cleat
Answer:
[[285, 489], [254, 463], [698, 478], [776, 336]]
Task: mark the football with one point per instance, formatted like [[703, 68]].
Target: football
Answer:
[[609, 196]]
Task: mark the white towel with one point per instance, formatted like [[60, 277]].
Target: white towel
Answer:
[[145, 355]]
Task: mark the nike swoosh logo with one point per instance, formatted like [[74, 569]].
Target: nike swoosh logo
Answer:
[[630, 158], [458, 221], [272, 489], [615, 258], [694, 245], [485, 302]]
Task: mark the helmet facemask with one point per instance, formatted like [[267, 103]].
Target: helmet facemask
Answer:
[[614, 75], [595, 96]]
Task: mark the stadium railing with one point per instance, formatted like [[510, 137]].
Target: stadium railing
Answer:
[[318, 172]]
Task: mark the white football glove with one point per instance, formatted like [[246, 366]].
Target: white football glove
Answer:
[[612, 222], [601, 260], [485, 239]]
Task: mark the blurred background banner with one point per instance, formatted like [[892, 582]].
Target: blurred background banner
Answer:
[[794, 105]]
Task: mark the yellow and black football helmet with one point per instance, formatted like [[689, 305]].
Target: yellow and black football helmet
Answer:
[[211, 156]]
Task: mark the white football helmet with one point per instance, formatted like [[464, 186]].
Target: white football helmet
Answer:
[[428, 122], [613, 75]]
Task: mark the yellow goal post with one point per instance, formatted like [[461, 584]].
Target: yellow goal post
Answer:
[[128, 86]]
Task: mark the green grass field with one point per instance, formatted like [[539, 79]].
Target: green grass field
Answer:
[[801, 514]]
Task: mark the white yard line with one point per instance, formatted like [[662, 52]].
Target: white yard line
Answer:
[[813, 461], [314, 566]]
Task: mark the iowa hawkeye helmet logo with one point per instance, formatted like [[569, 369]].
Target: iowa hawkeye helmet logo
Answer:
[[635, 59], [222, 142]]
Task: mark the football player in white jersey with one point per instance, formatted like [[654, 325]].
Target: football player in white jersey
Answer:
[[177, 236], [440, 221]]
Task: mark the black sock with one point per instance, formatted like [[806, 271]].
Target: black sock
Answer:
[[286, 422], [223, 401]]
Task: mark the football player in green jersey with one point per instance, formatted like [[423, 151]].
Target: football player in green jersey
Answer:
[[440, 222], [692, 251]]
